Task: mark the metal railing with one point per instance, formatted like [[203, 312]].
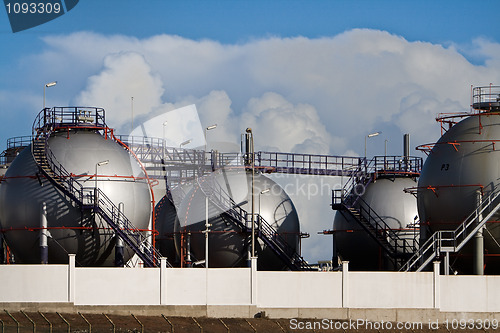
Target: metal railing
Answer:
[[484, 98], [19, 142], [309, 164], [69, 117]]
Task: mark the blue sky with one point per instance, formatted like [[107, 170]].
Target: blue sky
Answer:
[[309, 76]]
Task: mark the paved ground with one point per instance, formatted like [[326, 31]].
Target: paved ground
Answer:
[[55, 322]]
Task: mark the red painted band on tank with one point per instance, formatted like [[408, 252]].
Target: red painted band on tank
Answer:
[[434, 188], [427, 148], [82, 176], [70, 228]]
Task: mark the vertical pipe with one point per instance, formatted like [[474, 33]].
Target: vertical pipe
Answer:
[[188, 250], [149, 234], [247, 149], [447, 263], [119, 258], [334, 251], [479, 241], [253, 195], [207, 226], [2, 250], [44, 248], [406, 151]]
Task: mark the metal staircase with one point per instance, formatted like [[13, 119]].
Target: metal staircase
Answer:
[[451, 241], [349, 203], [263, 229], [90, 199]]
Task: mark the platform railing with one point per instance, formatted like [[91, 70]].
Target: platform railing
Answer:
[[486, 98]]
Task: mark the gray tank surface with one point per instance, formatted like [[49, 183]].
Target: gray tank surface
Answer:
[[166, 220], [90, 238], [228, 244], [464, 161], [387, 198]]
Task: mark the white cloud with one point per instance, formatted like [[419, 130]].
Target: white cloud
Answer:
[[125, 76], [279, 125]]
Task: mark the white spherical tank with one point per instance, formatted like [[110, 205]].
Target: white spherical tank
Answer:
[[386, 196], [229, 244], [462, 166], [72, 230]]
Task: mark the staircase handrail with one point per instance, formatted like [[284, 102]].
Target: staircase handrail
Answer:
[[113, 213], [381, 227], [433, 247], [75, 190], [270, 235]]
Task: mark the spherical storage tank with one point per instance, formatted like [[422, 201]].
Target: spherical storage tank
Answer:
[[228, 243], [463, 165], [72, 230], [397, 208]]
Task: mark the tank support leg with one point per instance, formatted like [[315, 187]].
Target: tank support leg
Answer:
[[44, 248], [479, 242], [188, 251], [2, 250], [119, 261], [447, 264], [479, 253]]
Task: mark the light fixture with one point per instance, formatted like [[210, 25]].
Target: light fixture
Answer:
[[211, 127], [371, 135], [98, 164], [185, 143], [47, 85]]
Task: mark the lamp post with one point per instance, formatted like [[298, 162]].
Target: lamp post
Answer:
[[164, 125], [211, 127], [385, 154], [207, 230], [47, 85], [371, 135], [249, 131], [132, 108]]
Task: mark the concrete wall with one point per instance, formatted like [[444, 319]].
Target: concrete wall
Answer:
[[299, 289], [391, 290], [245, 291], [34, 283], [470, 293]]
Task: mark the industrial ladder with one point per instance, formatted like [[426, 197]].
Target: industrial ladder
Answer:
[[348, 202], [92, 199], [451, 241], [265, 231]]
